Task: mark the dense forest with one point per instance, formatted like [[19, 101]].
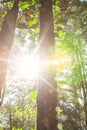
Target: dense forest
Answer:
[[43, 64]]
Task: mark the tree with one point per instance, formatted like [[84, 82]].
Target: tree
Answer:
[[6, 40], [70, 31], [47, 93], [74, 42]]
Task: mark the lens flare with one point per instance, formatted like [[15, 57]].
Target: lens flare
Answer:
[[28, 67]]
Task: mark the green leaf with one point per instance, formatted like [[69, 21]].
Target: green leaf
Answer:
[[63, 46], [36, 30], [60, 111], [19, 129], [62, 83], [33, 95], [24, 5], [33, 1], [17, 111], [60, 33], [32, 22]]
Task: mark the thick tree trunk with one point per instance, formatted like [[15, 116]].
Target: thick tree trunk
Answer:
[[85, 111], [47, 93], [6, 40]]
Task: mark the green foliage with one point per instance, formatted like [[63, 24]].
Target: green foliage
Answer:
[[17, 129], [10, 4], [33, 95], [59, 112], [24, 4], [32, 22], [72, 40], [71, 37], [17, 111], [33, 1]]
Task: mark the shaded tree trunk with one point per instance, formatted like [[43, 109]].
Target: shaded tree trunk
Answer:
[[6, 40], [85, 111], [47, 93]]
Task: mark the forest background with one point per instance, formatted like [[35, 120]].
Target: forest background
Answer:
[[19, 108]]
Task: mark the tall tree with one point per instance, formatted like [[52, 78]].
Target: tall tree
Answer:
[[6, 40], [47, 94]]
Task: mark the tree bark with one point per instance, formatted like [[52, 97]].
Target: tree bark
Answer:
[[6, 40], [47, 93]]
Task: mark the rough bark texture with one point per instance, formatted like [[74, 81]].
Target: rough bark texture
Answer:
[[6, 40], [47, 94]]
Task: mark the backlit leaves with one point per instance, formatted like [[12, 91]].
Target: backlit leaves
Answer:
[[32, 22], [24, 4], [33, 95]]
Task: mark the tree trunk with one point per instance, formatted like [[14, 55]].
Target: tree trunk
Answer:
[[6, 40], [47, 93], [85, 111], [85, 103]]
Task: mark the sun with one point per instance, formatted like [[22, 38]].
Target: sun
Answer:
[[28, 67], [31, 66]]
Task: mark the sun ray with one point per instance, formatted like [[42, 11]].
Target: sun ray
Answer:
[[49, 84]]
